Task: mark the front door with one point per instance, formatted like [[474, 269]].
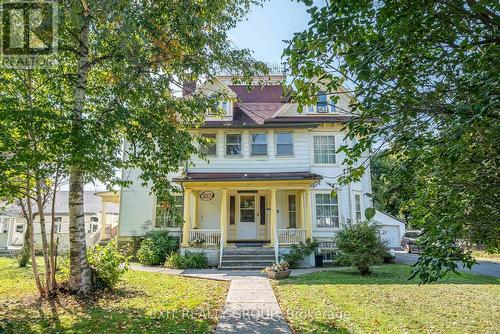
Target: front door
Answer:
[[247, 225]]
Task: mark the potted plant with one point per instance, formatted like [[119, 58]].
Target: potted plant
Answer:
[[318, 259], [278, 271], [197, 242]]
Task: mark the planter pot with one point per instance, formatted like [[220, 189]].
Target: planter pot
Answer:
[[318, 259], [278, 274]]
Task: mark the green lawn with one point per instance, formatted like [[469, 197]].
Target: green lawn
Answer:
[[141, 303], [342, 302]]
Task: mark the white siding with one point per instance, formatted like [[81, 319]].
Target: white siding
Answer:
[[136, 206], [299, 162]]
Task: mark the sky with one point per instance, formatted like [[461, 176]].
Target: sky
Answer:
[[268, 26]]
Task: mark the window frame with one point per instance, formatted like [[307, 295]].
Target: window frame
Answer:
[[339, 214], [203, 147], [313, 150], [358, 194], [260, 144], [226, 145], [277, 154], [177, 205]]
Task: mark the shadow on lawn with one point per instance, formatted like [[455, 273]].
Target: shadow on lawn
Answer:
[[70, 314], [388, 274]]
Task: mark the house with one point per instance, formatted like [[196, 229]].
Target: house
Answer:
[[266, 180], [101, 209]]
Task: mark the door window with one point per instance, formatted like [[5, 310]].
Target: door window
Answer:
[[247, 209]]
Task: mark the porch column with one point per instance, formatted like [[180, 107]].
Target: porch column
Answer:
[[223, 217], [104, 223], [300, 209], [195, 209], [187, 219], [308, 216], [273, 216]]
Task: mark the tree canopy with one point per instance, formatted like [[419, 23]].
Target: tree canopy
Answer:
[[121, 66], [425, 78]]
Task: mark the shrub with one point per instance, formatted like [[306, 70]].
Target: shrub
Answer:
[[341, 260], [361, 245], [299, 252], [188, 261], [156, 246], [23, 256], [108, 263]]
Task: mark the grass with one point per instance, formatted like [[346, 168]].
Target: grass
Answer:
[[142, 302], [386, 302], [483, 256]]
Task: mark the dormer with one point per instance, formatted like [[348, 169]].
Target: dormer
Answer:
[[213, 87], [325, 104]]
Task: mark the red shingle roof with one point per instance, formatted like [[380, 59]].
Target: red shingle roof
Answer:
[[259, 94]]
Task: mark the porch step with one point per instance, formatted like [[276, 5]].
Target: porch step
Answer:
[[249, 251], [242, 268], [247, 258]]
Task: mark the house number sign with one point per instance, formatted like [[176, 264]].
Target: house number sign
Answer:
[[207, 196]]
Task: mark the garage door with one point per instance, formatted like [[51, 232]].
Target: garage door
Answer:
[[390, 233]]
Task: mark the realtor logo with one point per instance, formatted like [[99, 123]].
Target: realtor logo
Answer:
[[28, 31]]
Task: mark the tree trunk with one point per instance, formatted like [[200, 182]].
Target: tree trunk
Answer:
[[53, 242], [43, 232], [80, 280], [31, 229]]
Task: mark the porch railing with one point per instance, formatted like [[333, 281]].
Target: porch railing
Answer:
[[205, 236], [290, 236]]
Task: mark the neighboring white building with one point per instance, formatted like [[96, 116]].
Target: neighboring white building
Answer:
[[101, 209], [267, 178]]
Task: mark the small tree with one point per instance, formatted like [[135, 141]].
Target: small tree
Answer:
[[361, 244]]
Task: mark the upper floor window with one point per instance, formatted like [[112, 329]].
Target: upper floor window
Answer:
[[94, 219], [233, 144], [168, 214], [218, 107], [324, 149], [259, 144], [327, 211], [322, 103], [209, 148], [357, 206], [284, 143]]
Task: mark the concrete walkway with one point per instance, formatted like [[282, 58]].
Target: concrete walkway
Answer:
[[251, 307]]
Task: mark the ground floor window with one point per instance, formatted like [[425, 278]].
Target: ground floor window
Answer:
[[327, 211], [357, 204], [169, 213]]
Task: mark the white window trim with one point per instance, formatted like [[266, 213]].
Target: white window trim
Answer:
[[251, 145], [239, 156], [215, 143], [339, 205], [311, 145], [284, 156], [361, 206]]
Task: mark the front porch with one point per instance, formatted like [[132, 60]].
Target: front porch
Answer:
[[225, 213]]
